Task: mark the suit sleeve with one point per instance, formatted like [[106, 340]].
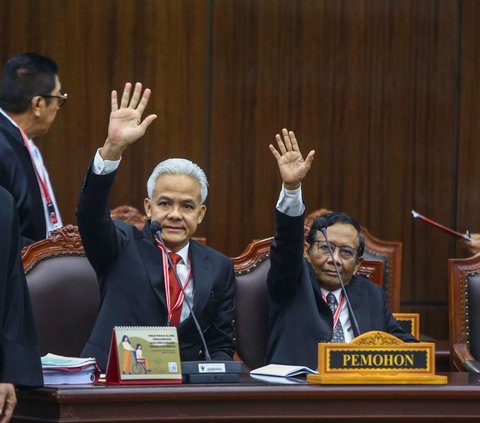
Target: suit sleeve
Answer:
[[101, 239], [19, 352], [286, 256]]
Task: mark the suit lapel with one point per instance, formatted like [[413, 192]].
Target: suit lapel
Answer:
[[203, 284], [359, 301], [152, 261]]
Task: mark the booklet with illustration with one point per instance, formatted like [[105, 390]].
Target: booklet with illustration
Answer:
[[282, 370], [144, 355]]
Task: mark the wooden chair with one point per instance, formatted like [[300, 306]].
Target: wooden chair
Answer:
[[133, 216], [389, 252], [130, 215], [464, 313], [64, 291], [251, 269]]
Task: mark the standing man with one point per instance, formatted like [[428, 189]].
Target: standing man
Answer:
[[137, 285], [19, 353], [30, 97], [306, 302]]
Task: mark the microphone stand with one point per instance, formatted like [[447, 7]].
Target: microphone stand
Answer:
[[207, 371], [350, 309]]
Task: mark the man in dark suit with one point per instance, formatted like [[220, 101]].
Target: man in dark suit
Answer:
[[306, 303], [134, 284], [19, 353], [30, 97]]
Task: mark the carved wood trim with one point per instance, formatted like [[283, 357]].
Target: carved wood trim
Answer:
[[61, 242]]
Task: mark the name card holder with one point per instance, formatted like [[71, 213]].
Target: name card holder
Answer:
[[376, 358]]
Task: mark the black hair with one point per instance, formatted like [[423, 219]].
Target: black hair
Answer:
[[330, 219], [25, 76]]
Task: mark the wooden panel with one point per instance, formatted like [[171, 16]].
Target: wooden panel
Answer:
[[371, 85], [99, 45], [468, 205], [385, 91]]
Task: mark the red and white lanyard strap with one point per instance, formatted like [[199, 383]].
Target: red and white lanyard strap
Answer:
[[166, 280], [336, 315], [43, 185]]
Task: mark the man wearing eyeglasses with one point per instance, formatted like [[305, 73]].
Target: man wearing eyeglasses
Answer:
[[30, 97], [306, 302]]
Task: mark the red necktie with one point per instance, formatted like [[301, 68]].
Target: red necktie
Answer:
[[175, 290]]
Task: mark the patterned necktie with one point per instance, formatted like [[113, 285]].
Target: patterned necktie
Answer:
[[338, 335], [174, 289]]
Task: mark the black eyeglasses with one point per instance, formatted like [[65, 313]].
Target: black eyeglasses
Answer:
[[62, 98], [346, 253]]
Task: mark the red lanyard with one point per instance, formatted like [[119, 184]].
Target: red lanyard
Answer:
[[43, 185], [166, 280], [338, 310]]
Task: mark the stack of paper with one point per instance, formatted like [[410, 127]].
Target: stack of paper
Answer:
[[281, 373], [59, 370], [282, 370]]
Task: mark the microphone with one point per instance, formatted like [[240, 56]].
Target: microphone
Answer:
[[323, 230], [199, 371]]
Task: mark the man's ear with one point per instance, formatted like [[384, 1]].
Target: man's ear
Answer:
[[357, 265], [306, 250], [147, 205], [36, 105], [203, 210]]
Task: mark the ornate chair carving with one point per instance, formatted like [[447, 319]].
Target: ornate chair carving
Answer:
[[464, 310], [64, 291], [389, 252], [129, 214], [251, 269]]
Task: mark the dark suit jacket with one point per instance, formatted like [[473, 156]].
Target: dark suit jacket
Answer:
[[17, 176], [19, 352], [298, 316], [129, 268]]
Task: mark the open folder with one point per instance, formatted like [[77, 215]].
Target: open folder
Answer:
[[282, 370]]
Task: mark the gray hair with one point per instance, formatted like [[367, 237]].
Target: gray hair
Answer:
[[179, 167]]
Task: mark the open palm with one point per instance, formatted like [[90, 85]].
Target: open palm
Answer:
[[291, 164]]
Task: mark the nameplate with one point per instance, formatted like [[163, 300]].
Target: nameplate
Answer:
[[376, 358]]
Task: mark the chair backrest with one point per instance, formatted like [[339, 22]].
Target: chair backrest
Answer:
[[251, 320], [64, 291], [464, 310], [389, 252], [129, 214]]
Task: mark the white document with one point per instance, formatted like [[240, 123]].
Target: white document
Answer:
[[282, 370]]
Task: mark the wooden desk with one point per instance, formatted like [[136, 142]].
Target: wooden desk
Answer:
[[459, 400]]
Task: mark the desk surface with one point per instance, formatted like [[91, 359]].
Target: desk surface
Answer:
[[258, 401]]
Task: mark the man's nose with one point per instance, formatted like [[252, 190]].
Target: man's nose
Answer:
[[336, 255], [174, 213]]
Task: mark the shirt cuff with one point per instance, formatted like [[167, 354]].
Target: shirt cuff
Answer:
[[290, 202], [104, 167]]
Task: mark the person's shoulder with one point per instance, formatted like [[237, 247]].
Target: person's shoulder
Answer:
[[364, 283]]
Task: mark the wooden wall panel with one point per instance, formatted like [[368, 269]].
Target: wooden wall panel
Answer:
[[100, 45], [468, 205], [371, 86], [383, 90]]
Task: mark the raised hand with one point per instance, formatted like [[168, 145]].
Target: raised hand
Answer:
[[293, 168], [126, 125], [473, 245]]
